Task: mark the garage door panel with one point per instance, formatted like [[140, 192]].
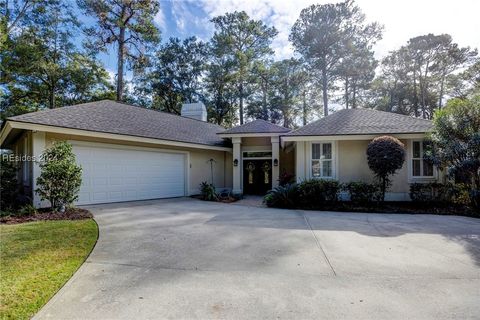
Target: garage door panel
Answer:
[[113, 175]]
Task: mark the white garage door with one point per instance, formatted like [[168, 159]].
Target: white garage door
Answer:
[[115, 175]]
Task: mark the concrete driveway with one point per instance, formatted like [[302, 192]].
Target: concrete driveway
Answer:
[[184, 258]]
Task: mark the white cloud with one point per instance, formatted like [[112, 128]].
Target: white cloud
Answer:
[[160, 20], [403, 19]]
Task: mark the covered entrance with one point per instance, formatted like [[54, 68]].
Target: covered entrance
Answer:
[[257, 176]]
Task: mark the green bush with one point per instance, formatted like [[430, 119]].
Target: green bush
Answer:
[[460, 193], [385, 155], [282, 196], [363, 192], [60, 178], [208, 191], [423, 192], [314, 193], [8, 185], [456, 142]]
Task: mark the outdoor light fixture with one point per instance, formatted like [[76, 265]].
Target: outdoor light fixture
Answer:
[[275, 162], [235, 163]]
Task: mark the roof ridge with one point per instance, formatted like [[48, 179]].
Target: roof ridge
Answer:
[[125, 104], [160, 111], [389, 112]]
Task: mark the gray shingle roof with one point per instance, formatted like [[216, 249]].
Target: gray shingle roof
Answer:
[[363, 121], [120, 118], [257, 126]]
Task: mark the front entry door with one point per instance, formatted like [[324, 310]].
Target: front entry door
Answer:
[[257, 176]]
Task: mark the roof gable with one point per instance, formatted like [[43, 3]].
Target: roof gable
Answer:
[[256, 126], [363, 121], [119, 118]]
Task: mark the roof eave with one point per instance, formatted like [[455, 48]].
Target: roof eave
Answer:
[[107, 135], [367, 136]]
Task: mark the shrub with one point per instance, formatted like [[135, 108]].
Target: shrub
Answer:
[[362, 192], [385, 156], [8, 185], [456, 140], [282, 196], [208, 191], [423, 192], [460, 193], [60, 178], [285, 178], [314, 193]]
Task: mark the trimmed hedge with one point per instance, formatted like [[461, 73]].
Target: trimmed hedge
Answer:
[[314, 193], [363, 192]]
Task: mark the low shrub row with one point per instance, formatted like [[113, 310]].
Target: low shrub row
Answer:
[[316, 193], [319, 193]]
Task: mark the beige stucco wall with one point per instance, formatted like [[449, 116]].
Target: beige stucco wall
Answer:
[[257, 141], [199, 164], [353, 165]]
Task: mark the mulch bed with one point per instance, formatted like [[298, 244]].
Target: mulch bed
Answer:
[[43, 215]]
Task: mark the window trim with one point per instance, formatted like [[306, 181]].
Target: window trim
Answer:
[[333, 160], [434, 176]]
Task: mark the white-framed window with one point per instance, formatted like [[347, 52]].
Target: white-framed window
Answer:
[[322, 165], [420, 167]]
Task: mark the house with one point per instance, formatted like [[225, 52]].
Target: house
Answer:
[[130, 153]]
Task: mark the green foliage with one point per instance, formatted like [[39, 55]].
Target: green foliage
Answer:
[[429, 192], [385, 155], [282, 196], [9, 183], [127, 25], [175, 76], [314, 193], [456, 139], [242, 42], [326, 34], [208, 191], [60, 178], [415, 78], [27, 210], [41, 65], [362, 192]]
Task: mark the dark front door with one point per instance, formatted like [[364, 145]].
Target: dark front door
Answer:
[[257, 176]]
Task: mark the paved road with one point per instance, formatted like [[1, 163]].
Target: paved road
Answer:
[[184, 258]]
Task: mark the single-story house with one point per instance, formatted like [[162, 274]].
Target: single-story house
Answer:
[[131, 153]]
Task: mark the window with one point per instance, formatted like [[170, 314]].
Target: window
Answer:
[[420, 167], [322, 162]]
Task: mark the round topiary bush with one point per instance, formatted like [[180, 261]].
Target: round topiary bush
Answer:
[[385, 156]]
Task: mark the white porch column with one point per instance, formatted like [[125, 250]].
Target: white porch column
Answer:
[[38, 146], [300, 161], [237, 170], [275, 156]]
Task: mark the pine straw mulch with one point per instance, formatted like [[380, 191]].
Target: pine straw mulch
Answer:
[[43, 215]]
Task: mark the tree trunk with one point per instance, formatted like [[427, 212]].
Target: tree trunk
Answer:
[[346, 92], [264, 102], [415, 97], [120, 61], [354, 96], [325, 90], [51, 97], [442, 83], [240, 91], [304, 107]]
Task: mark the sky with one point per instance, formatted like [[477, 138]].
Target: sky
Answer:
[[402, 20]]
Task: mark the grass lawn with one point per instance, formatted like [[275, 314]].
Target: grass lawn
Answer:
[[36, 259]]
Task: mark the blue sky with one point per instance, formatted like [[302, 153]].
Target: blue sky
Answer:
[[402, 19]]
